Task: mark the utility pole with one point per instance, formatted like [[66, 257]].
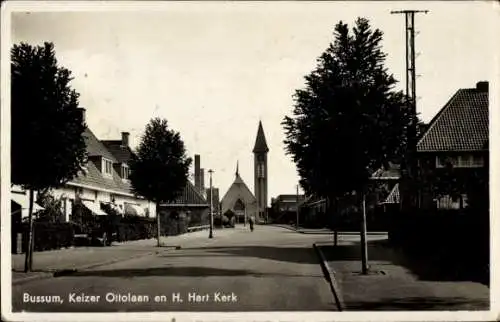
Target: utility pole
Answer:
[[211, 235], [411, 98], [297, 228]]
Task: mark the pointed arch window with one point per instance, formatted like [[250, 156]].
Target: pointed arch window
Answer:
[[239, 205]]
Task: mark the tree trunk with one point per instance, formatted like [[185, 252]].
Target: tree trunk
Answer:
[[364, 246], [28, 262], [332, 211], [158, 224]]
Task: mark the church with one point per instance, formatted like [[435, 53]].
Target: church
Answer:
[[239, 201]]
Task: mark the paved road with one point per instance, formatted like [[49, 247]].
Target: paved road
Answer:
[[271, 268]]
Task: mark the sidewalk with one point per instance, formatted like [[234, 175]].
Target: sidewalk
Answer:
[[396, 283], [46, 263]]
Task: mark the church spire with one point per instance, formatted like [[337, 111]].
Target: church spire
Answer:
[[237, 168], [260, 141]]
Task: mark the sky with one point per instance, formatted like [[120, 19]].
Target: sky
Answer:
[[214, 69]]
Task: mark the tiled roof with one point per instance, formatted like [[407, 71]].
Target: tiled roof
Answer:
[[260, 141], [95, 147], [121, 153], [93, 176], [190, 196], [462, 124]]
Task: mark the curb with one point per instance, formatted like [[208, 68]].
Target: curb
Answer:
[[330, 277]]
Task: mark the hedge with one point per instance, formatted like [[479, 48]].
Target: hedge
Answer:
[[48, 235]]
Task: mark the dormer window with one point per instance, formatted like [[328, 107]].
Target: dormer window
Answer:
[[125, 172], [107, 167]]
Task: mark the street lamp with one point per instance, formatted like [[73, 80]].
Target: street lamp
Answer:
[[211, 235]]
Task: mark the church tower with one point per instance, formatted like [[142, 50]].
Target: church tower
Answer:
[[260, 172]]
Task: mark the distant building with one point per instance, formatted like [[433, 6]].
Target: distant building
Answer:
[[192, 204], [239, 200], [284, 208], [215, 199]]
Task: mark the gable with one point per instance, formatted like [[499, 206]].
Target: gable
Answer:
[[238, 190]]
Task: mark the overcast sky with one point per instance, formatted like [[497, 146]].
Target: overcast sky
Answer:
[[215, 69]]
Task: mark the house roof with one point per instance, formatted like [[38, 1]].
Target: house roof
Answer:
[[95, 147], [260, 141], [94, 177], [462, 124], [190, 196], [393, 172], [121, 153]]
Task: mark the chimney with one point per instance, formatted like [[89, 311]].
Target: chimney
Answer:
[[197, 171], [482, 86], [125, 136], [81, 111], [202, 180]]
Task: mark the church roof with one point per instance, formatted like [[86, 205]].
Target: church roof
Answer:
[[237, 190], [260, 141]]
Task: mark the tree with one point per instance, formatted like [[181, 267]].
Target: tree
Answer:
[[48, 148], [52, 207], [159, 168], [348, 120]]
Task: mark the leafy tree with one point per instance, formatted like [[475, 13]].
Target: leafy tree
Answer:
[[159, 168], [47, 148], [348, 120], [52, 207]]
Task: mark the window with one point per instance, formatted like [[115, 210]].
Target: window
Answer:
[[260, 170], [125, 172], [461, 161], [107, 167]]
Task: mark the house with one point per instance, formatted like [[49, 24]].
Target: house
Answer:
[[457, 140], [287, 203], [104, 181], [122, 153], [284, 207]]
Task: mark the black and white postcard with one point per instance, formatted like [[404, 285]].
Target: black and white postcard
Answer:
[[246, 160]]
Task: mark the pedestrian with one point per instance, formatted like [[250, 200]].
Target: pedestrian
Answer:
[[251, 221]]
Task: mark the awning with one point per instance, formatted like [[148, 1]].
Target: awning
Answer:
[[134, 210], [117, 209], [95, 208], [24, 202]]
